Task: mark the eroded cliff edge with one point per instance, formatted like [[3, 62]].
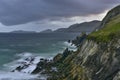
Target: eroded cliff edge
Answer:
[[97, 57]]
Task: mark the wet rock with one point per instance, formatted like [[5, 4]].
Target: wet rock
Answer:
[[57, 58]]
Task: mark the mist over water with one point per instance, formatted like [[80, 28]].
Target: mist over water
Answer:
[[14, 48]]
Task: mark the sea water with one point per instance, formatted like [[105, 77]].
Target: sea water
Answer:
[[14, 48]]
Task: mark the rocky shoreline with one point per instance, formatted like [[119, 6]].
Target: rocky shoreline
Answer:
[[43, 66], [47, 67], [97, 56], [35, 65]]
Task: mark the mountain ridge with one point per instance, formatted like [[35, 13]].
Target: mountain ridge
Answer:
[[22, 31], [97, 56], [46, 31], [81, 27]]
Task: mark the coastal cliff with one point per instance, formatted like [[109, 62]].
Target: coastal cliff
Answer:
[[92, 61], [97, 57]]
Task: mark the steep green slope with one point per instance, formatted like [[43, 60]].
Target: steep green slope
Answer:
[[112, 13], [98, 57], [110, 27], [109, 31]]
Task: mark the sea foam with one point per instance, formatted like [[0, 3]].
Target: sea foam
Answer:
[[16, 76]]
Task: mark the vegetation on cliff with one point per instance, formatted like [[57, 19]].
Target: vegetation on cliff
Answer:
[[93, 60], [111, 27], [97, 56]]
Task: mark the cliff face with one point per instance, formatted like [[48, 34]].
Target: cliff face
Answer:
[[93, 61], [97, 57], [101, 61]]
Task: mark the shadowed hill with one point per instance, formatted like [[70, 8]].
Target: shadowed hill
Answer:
[[82, 27]]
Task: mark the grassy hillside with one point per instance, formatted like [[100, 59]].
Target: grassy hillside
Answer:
[[109, 31]]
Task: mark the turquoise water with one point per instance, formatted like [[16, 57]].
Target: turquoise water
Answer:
[[44, 45]]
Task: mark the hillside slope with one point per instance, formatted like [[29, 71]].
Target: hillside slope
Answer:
[[97, 57], [82, 27], [111, 27]]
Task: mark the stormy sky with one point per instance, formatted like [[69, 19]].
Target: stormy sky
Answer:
[[37, 15]]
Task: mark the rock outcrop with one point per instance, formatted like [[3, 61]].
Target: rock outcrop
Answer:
[[97, 57]]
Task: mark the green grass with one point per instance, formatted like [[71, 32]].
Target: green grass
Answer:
[[108, 32]]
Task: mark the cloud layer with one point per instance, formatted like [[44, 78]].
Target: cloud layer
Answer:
[[13, 12]]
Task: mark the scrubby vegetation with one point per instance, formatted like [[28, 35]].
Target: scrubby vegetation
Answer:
[[93, 61], [108, 32], [68, 69]]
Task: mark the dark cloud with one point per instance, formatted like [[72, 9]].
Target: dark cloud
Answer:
[[13, 12]]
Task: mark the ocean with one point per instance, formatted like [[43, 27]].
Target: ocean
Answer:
[[16, 47]]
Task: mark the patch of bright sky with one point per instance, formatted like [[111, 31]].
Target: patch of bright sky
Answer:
[[42, 25]]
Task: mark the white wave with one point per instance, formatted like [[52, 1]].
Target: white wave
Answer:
[[25, 54], [37, 59], [29, 69], [24, 58], [16, 76], [70, 46], [32, 65]]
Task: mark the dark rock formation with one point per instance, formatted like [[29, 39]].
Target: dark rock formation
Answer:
[[94, 59], [79, 39], [44, 67]]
